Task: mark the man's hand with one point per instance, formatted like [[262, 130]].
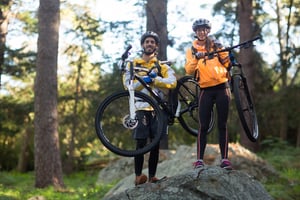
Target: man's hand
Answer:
[[153, 74]]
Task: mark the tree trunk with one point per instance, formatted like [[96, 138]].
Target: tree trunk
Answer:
[[48, 167], [156, 12], [245, 19]]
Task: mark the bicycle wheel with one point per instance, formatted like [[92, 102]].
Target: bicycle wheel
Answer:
[[188, 91], [112, 130], [245, 107]]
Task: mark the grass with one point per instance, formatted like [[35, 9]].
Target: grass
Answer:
[[286, 161], [82, 185]]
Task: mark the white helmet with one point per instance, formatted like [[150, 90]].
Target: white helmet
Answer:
[[201, 23]]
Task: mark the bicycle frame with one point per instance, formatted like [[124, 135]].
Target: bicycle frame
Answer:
[[245, 44], [163, 104], [160, 101]]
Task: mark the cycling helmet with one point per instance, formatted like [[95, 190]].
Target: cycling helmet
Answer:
[[150, 34], [200, 23]]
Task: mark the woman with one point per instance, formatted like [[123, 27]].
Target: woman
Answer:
[[213, 81]]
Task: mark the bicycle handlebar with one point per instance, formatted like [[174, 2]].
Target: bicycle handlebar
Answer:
[[245, 44], [126, 53]]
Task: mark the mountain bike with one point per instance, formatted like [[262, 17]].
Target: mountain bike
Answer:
[[116, 118], [239, 87]]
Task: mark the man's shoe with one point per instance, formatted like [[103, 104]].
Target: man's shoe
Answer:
[[140, 179], [153, 180], [198, 164], [226, 164]]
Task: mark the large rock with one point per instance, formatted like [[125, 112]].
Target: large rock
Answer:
[[174, 162], [177, 165], [207, 183]]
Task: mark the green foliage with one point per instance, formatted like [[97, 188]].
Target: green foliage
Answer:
[[19, 63], [16, 186], [29, 20], [15, 120], [285, 159]]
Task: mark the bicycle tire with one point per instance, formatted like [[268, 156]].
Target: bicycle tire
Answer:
[[188, 91], [111, 131], [245, 107]]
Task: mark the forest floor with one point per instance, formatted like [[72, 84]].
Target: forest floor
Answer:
[[82, 185]]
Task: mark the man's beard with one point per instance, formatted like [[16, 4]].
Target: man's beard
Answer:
[[149, 52]]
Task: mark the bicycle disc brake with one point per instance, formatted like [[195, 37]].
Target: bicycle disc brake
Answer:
[[129, 123]]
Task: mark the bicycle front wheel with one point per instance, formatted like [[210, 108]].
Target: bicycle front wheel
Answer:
[[113, 130], [188, 91], [245, 107]]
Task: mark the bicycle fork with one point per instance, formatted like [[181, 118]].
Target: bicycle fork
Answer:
[[130, 121]]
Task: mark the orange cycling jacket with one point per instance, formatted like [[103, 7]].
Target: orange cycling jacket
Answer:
[[211, 72]]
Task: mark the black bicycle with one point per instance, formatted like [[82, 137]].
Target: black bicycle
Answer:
[[116, 118], [240, 89]]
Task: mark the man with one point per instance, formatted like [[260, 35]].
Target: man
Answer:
[[162, 76]]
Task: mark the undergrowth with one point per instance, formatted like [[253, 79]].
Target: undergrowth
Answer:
[[285, 159], [82, 185]]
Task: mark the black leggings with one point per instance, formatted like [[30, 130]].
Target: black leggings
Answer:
[[152, 162], [144, 132], [219, 95]]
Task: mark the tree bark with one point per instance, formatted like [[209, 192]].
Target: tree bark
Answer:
[[156, 12], [48, 169]]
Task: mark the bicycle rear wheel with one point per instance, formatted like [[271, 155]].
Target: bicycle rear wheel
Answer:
[[245, 107], [188, 91], [110, 118]]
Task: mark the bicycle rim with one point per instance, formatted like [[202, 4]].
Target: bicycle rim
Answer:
[[245, 107], [110, 129], [188, 91]]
